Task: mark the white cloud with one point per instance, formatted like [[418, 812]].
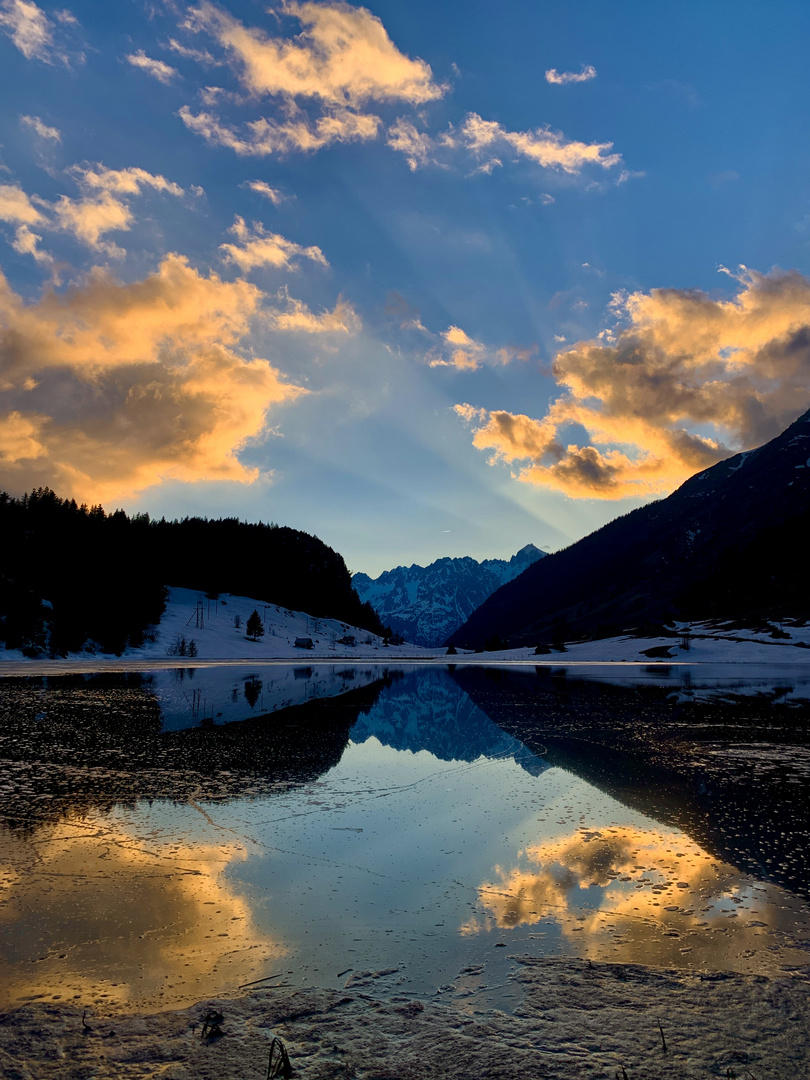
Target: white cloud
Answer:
[[264, 137], [563, 78], [298, 318], [26, 242], [158, 69], [255, 247], [42, 129], [202, 56], [28, 27], [102, 207], [547, 148], [261, 187], [17, 208], [90, 219], [458, 350], [404, 136], [489, 144], [122, 181]]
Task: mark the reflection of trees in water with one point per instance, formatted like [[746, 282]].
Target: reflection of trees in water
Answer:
[[253, 687], [731, 775], [75, 743], [424, 710]]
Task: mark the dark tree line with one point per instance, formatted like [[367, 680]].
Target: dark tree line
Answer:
[[72, 574]]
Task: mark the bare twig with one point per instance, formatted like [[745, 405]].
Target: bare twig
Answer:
[[663, 1040], [211, 1025], [279, 1063]]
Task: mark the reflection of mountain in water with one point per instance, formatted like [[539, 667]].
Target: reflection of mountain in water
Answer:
[[733, 777], [72, 743], [424, 710]]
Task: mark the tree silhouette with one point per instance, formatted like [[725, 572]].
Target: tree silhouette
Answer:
[[254, 628]]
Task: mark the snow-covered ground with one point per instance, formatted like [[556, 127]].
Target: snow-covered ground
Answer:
[[212, 627], [693, 643]]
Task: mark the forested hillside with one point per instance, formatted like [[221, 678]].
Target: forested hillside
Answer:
[[74, 574]]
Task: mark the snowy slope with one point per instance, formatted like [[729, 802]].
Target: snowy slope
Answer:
[[219, 638], [216, 636], [427, 603]]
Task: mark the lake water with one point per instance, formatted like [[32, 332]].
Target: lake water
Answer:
[[173, 835]]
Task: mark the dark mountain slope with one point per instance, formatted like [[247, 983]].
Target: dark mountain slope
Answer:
[[731, 542]]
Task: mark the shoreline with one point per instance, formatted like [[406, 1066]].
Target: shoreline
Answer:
[[68, 665], [576, 1019]]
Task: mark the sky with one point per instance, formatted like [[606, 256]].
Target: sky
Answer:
[[423, 279]]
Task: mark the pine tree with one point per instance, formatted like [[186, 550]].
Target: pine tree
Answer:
[[254, 628]]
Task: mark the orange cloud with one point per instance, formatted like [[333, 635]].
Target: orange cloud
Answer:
[[633, 895], [17, 208], [110, 388], [682, 381], [342, 60], [343, 56], [180, 933]]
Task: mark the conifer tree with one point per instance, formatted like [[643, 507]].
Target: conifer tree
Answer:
[[254, 628]]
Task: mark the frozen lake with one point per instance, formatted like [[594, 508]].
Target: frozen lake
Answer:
[[174, 835]]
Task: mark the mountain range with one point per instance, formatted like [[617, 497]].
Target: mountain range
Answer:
[[426, 604], [730, 543]]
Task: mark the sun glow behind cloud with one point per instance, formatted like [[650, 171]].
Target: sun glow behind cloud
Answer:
[[677, 363], [114, 387]]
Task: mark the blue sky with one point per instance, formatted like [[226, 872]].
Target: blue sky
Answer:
[[421, 279]]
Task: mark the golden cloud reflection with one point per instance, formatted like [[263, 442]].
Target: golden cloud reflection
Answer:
[[642, 896], [91, 912]]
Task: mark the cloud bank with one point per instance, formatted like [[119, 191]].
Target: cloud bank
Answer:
[[110, 388], [683, 381]]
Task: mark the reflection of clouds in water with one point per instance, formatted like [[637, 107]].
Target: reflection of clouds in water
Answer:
[[93, 912], [638, 896]]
